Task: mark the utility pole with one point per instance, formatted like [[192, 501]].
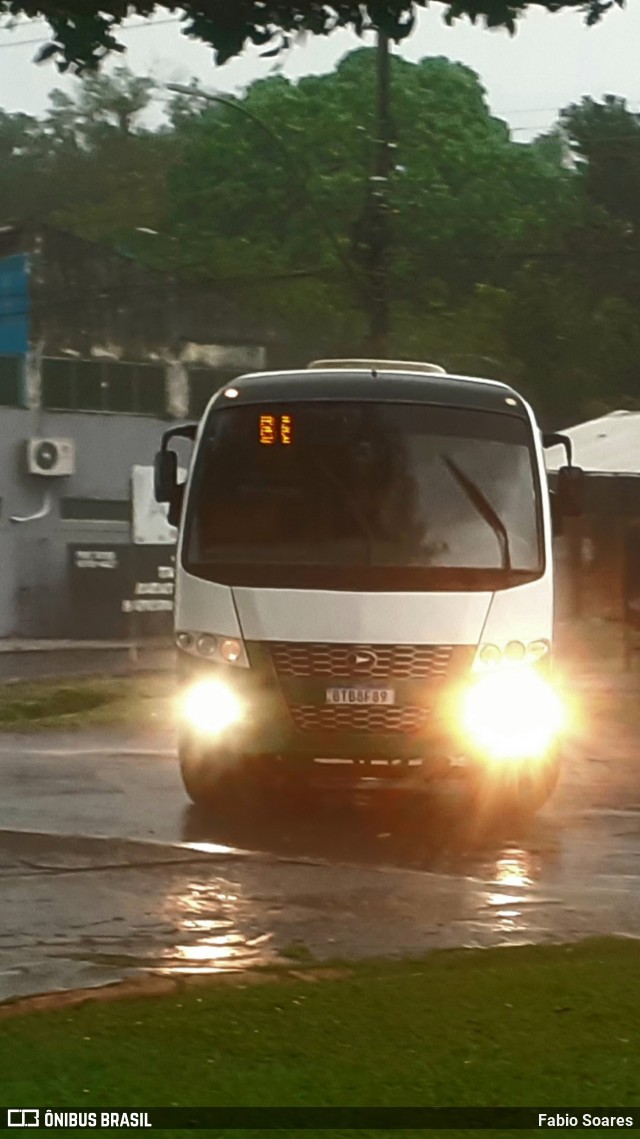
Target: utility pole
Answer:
[[302, 177], [367, 267], [379, 227]]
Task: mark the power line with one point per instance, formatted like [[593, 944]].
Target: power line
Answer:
[[118, 27], [182, 286], [146, 25], [549, 110], [174, 286], [175, 20]]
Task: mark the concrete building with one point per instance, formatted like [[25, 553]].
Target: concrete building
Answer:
[[97, 355]]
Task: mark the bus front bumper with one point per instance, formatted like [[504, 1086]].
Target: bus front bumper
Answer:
[[243, 712]]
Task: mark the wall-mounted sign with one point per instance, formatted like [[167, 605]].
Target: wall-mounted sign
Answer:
[[147, 606], [95, 559], [152, 587], [135, 599]]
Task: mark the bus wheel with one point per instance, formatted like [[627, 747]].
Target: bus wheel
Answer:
[[211, 776], [512, 792]]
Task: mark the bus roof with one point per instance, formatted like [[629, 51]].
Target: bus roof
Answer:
[[376, 366], [382, 386]]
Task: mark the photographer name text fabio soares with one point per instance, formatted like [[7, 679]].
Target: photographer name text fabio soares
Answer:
[[585, 1119]]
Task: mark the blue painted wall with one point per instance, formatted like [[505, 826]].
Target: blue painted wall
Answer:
[[14, 305]]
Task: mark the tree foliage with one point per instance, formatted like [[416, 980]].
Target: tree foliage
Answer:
[[516, 261], [605, 138], [85, 31], [465, 199], [89, 165]]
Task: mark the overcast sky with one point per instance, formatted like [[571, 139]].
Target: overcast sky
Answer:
[[552, 61]]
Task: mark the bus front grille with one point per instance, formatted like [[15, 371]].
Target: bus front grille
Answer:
[[382, 662], [347, 718]]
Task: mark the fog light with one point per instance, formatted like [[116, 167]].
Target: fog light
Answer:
[[512, 714], [210, 707]]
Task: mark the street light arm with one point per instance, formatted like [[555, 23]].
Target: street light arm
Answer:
[[293, 163]]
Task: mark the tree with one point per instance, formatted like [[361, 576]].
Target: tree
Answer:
[[605, 137], [508, 260], [85, 31], [89, 165], [466, 201]]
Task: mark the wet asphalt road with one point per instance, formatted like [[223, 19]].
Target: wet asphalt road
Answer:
[[107, 871]]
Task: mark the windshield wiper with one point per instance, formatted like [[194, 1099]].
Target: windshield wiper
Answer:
[[484, 508]]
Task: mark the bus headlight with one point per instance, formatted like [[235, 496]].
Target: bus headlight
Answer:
[[513, 654], [512, 714], [211, 707], [210, 646]]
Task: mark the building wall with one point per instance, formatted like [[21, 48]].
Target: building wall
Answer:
[[88, 299], [97, 349], [14, 304], [34, 578]]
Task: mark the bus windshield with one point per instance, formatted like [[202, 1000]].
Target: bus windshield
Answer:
[[364, 496]]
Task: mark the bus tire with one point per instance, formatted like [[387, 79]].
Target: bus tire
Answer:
[[515, 794], [212, 777]]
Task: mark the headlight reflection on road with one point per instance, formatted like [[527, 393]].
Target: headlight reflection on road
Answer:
[[512, 714], [212, 930], [513, 869]]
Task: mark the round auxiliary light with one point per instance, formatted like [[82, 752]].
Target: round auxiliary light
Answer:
[[537, 650], [184, 640], [207, 645], [231, 651], [515, 651], [490, 655]]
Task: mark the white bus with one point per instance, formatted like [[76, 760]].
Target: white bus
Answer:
[[364, 584]]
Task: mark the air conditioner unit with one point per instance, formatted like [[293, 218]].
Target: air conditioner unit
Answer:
[[51, 457]]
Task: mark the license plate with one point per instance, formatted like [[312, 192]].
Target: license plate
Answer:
[[361, 696]]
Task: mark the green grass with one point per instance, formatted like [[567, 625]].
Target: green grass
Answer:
[[140, 700], [531, 1026]]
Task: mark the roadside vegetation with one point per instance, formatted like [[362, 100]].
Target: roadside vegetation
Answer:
[[143, 701], [535, 1025]]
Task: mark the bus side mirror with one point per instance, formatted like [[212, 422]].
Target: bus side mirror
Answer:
[[570, 492], [165, 475], [175, 505]]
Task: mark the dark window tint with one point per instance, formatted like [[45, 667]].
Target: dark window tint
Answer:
[[120, 387], [11, 370], [58, 386], [387, 492], [150, 390], [89, 381], [94, 510], [103, 385]]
